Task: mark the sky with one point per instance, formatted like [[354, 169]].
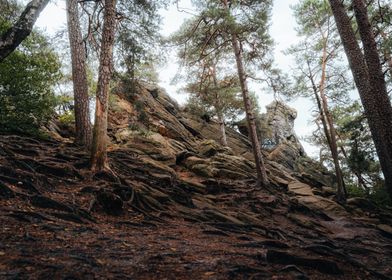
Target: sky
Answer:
[[282, 30]]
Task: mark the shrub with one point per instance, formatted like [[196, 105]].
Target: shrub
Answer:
[[27, 77]]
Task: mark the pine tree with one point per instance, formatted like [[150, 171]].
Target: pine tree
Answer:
[[138, 41], [241, 28], [216, 92]]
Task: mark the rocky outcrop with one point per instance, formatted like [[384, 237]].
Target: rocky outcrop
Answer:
[[278, 123], [176, 204], [166, 133], [275, 127]]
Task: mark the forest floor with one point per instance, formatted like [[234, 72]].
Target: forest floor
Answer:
[[59, 221]]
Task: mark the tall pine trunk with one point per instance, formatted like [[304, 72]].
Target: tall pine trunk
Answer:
[[368, 77], [262, 179], [99, 144], [79, 76], [250, 117]]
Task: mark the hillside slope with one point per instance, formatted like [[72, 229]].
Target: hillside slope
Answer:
[[179, 206]]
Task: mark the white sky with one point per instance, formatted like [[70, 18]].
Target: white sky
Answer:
[[282, 30]]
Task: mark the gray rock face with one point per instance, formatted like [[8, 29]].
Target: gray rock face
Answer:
[[277, 124], [275, 127]]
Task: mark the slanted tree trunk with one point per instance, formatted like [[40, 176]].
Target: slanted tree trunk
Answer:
[[250, 117], [330, 128], [341, 194], [99, 144], [12, 38], [79, 76], [366, 69], [262, 179], [327, 123]]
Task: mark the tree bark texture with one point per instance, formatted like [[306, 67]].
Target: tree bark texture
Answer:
[[99, 144], [79, 76], [371, 85], [12, 38]]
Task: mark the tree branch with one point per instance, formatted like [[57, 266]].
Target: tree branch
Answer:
[[12, 38]]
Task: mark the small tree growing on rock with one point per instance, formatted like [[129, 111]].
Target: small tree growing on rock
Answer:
[[215, 95]]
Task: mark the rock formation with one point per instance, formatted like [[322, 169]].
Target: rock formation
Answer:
[[275, 127]]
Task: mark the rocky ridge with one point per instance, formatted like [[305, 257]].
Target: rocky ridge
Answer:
[[180, 206]]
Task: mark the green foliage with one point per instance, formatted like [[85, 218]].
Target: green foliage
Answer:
[[67, 118], [196, 107], [213, 94], [139, 39], [27, 77], [10, 10], [357, 141], [113, 105], [207, 53], [378, 194], [140, 108], [354, 191], [140, 130], [316, 30], [207, 33]]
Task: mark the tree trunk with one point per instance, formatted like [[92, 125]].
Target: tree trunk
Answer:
[[99, 144], [323, 108], [262, 179], [11, 39], [342, 193], [79, 76], [370, 84], [260, 167]]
